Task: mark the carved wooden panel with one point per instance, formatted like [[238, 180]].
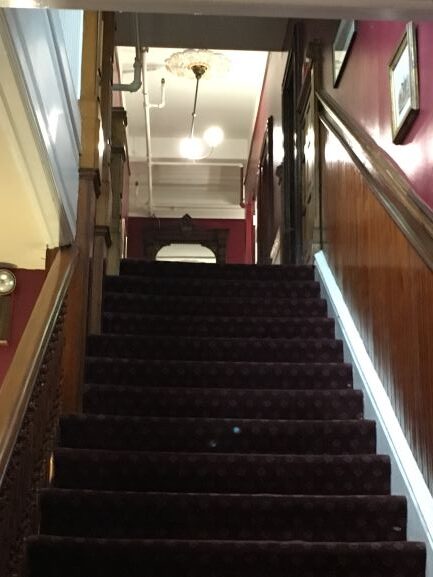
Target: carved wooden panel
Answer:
[[184, 232], [389, 290], [28, 467]]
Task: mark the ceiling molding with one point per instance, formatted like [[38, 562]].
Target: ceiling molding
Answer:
[[328, 9]]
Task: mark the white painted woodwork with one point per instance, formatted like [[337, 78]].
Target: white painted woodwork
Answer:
[[378, 9], [201, 190]]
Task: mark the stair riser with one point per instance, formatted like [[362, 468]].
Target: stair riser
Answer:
[[212, 287], [219, 436], [150, 304], [235, 403], [191, 349], [184, 559], [218, 374], [118, 323], [196, 270], [218, 517], [200, 473]]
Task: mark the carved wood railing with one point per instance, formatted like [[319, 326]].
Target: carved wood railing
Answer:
[[29, 411], [386, 180]]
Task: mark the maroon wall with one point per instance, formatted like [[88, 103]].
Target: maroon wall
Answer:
[[29, 284], [364, 93], [235, 243]]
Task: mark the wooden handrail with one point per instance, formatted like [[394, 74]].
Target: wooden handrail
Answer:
[[18, 383], [387, 181]]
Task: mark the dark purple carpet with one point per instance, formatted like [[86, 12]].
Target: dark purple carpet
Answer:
[[221, 437]]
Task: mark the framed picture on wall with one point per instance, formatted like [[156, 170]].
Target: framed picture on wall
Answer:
[[341, 47], [403, 81]]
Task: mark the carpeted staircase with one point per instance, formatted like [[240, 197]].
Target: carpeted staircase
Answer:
[[221, 438]]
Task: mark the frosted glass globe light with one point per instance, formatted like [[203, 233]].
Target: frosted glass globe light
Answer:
[[213, 136], [192, 148]]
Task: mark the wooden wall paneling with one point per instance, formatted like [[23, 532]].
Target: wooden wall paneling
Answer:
[[309, 155], [101, 243], [90, 90], [389, 290], [76, 328], [76, 321], [104, 204]]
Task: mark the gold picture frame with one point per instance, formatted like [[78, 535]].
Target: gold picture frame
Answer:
[[403, 83]]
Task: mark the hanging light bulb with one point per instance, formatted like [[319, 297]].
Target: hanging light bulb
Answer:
[[213, 136], [193, 148], [197, 63]]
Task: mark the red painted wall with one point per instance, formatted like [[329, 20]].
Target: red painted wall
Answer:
[[270, 105], [29, 284], [364, 93], [235, 243]]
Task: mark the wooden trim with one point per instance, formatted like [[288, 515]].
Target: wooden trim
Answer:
[[93, 175], [249, 164], [185, 231], [5, 318], [103, 231], [18, 382], [119, 150], [388, 183]]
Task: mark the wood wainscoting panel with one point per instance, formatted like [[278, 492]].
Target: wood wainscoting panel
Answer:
[[389, 290]]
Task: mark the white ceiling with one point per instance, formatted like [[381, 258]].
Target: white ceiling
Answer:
[[367, 9], [230, 102], [210, 188]]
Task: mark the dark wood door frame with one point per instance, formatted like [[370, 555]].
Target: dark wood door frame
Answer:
[[265, 197], [185, 231], [291, 197]]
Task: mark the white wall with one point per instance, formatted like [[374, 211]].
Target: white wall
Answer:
[[48, 67]]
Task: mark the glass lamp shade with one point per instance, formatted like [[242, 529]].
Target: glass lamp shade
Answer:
[[215, 64]]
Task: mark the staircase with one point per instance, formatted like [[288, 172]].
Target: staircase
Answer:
[[221, 438]]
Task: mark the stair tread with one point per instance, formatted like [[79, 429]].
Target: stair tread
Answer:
[[226, 306], [204, 516], [191, 558], [184, 286], [211, 325], [250, 374], [219, 348], [221, 472], [221, 436], [218, 434], [229, 403], [198, 270]]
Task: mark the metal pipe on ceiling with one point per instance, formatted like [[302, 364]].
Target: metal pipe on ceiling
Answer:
[[146, 106], [135, 85]]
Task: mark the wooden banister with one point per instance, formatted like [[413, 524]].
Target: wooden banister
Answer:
[[386, 180], [29, 409], [17, 385]]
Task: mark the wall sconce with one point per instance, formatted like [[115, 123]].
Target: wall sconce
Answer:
[[8, 282]]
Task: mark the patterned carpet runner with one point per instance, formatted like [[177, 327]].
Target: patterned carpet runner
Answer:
[[221, 437]]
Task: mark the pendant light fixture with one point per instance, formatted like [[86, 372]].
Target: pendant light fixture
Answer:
[[197, 64]]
